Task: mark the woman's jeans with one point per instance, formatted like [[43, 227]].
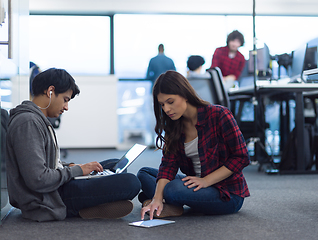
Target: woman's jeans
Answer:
[[84, 193], [206, 200]]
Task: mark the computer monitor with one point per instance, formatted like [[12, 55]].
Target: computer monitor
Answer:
[[310, 73], [298, 58], [311, 60], [304, 58], [262, 60]]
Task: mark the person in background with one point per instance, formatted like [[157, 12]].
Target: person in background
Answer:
[[39, 183], [194, 64], [229, 59], [159, 64], [205, 143]]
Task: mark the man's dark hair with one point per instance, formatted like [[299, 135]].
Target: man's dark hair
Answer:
[[161, 48], [59, 78], [235, 35], [194, 62]]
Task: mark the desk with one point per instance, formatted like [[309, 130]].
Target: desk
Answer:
[[300, 89]]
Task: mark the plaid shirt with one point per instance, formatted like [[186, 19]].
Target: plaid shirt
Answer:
[[220, 143], [228, 65]]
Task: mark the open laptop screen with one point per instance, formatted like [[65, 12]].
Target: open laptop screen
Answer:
[[129, 157]]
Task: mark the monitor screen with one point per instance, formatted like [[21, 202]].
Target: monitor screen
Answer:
[[263, 59], [310, 58], [311, 55], [298, 61]]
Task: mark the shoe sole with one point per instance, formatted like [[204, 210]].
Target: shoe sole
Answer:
[[110, 210], [168, 210]]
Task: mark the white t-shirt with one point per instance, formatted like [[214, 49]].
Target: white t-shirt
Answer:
[[191, 151]]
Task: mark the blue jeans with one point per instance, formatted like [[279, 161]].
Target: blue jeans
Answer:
[[206, 200], [85, 193]]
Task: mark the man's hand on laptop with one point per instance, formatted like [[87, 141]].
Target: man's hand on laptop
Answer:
[[90, 167]]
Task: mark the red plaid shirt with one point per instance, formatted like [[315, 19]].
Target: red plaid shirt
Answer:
[[228, 65], [220, 143]]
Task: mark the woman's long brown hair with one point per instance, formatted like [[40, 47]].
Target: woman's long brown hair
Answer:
[[172, 82]]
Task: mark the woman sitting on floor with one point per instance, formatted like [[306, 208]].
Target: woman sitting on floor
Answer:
[[205, 143]]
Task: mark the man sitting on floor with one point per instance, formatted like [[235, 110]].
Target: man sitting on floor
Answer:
[[38, 182]]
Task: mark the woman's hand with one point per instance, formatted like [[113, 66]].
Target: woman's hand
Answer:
[[192, 181], [217, 176], [154, 205]]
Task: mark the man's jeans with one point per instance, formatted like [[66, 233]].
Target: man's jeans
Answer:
[[206, 200], [84, 193]]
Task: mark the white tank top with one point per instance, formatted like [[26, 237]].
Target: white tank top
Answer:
[[191, 151]]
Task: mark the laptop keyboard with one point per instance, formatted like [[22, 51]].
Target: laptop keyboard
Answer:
[[103, 173]]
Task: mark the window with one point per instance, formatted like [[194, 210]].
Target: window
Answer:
[[78, 44], [137, 37]]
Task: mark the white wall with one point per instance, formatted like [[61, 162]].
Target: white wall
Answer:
[[91, 121], [20, 89]]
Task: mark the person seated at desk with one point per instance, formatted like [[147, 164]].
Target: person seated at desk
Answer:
[[194, 64], [201, 82], [42, 186], [205, 143], [229, 59]]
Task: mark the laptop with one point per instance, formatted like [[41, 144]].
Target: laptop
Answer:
[[129, 157]]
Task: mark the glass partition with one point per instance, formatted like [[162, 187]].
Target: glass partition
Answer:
[[13, 76], [135, 115]]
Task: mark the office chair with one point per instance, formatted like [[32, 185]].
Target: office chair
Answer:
[[203, 88], [211, 88], [221, 96], [247, 127]]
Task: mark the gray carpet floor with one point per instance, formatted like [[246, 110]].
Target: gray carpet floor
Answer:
[[280, 207]]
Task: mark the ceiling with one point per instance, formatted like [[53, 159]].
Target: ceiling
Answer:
[[227, 7]]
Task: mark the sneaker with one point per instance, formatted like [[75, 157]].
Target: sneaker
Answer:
[[108, 210], [142, 197], [169, 210]]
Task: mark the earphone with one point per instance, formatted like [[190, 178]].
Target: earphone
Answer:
[[49, 102]]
